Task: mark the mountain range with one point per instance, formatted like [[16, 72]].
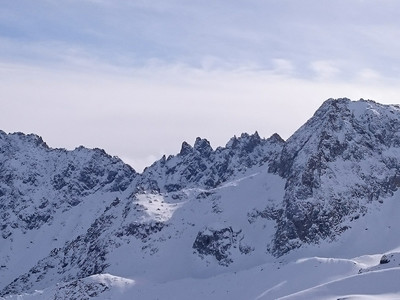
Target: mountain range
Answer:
[[312, 217]]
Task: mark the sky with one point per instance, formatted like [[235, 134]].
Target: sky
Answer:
[[137, 78]]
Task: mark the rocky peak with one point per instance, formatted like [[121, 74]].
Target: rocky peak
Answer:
[[276, 138], [341, 136], [332, 104], [185, 149], [32, 138], [14, 142], [245, 142], [202, 146]]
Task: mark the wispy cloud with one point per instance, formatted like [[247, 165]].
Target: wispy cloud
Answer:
[[252, 31], [325, 70]]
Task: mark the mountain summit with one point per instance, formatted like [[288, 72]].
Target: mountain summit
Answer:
[[343, 158], [82, 224]]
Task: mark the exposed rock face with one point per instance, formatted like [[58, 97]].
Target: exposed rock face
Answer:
[[201, 166], [344, 157], [73, 214], [36, 181], [219, 244]]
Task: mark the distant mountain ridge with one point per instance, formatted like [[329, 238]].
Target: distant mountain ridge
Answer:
[[67, 216]]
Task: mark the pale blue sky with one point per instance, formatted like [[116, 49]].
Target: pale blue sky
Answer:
[[138, 77]]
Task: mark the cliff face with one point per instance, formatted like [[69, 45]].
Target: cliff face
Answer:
[[345, 157], [67, 215]]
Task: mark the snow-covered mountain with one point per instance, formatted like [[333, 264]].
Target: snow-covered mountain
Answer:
[[308, 218]]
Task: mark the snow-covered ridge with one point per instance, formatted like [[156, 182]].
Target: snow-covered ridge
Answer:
[[201, 166], [345, 157], [226, 214]]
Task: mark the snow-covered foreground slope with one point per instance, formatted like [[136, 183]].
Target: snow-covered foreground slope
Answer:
[[307, 218], [312, 278], [291, 276]]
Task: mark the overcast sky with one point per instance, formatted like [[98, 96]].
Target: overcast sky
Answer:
[[137, 78]]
